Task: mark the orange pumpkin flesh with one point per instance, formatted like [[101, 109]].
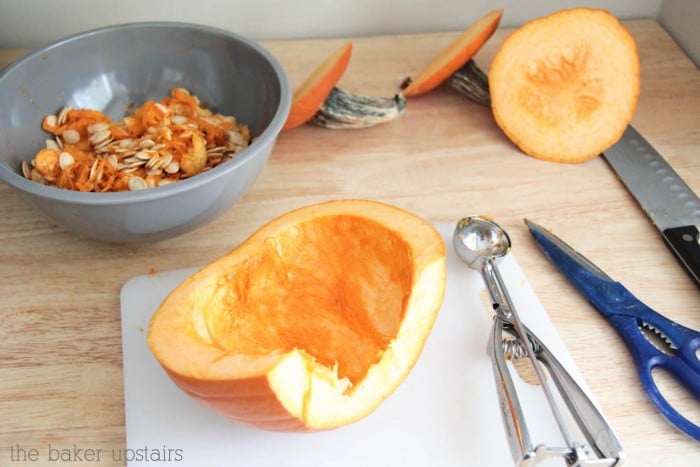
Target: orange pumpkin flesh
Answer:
[[310, 323], [309, 97], [464, 47], [564, 87]]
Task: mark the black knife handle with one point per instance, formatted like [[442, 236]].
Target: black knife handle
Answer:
[[684, 242]]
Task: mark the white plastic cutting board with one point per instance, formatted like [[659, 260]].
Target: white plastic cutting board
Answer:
[[446, 412]]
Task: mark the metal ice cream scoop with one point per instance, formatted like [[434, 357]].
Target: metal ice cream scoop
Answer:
[[480, 243]]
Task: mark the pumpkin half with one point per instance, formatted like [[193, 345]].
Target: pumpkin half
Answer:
[[565, 86], [311, 322]]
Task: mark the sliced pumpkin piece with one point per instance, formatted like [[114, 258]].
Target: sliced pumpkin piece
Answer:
[[455, 55], [311, 322], [309, 97], [564, 87]]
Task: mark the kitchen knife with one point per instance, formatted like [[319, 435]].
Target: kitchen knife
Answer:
[[670, 203]]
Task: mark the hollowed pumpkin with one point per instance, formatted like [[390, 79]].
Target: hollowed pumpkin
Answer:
[[565, 86], [311, 322]]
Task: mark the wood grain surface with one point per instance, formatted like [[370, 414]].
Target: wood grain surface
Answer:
[[60, 343]]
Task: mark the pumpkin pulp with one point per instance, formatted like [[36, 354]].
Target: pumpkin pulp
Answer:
[[343, 310]]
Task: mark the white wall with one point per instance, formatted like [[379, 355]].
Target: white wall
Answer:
[[681, 18], [30, 23]]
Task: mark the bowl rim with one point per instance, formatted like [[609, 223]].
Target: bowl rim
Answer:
[[268, 135]]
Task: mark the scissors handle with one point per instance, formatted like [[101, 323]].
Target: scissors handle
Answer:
[[647, 357], [626, 312], [613, 299]]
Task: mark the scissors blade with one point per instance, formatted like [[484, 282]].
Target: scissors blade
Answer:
[[609, 297], [573, 265]]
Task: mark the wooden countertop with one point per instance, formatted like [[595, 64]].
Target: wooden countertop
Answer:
[[60, 342]]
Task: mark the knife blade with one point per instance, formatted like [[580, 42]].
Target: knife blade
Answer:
[[663, 195]]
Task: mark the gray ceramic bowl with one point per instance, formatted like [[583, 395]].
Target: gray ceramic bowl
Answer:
[[116, 67]]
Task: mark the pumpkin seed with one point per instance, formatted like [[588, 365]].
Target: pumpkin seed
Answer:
[[65, 160], [98, 127], [99, 136], [136, 183], [153, 162], [71, 136], [146, 144], [216, 151], [172, 168], [63, 115], [165, 161], [131, 160], [93, 168], [126, 143], [26, 171], [137, 164], [236, 138], [103, 146], [36, 176], [113, 161]]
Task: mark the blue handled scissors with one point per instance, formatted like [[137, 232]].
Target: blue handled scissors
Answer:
[[628, 314]]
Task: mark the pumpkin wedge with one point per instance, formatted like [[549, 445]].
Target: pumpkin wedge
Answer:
[[564, 87], [311, 322], [309, 97], [463, 48]]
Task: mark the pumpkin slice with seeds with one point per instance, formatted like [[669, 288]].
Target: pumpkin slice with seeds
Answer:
[[564, 87]]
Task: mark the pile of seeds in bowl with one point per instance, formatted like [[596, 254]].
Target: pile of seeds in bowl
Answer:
[[159, 143]]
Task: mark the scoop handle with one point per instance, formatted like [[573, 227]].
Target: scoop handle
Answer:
[[589, 418], [517, 432], [598, 433]]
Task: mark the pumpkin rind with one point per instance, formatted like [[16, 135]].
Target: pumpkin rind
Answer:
[[309, 97], [298, 388], [564, 87]]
